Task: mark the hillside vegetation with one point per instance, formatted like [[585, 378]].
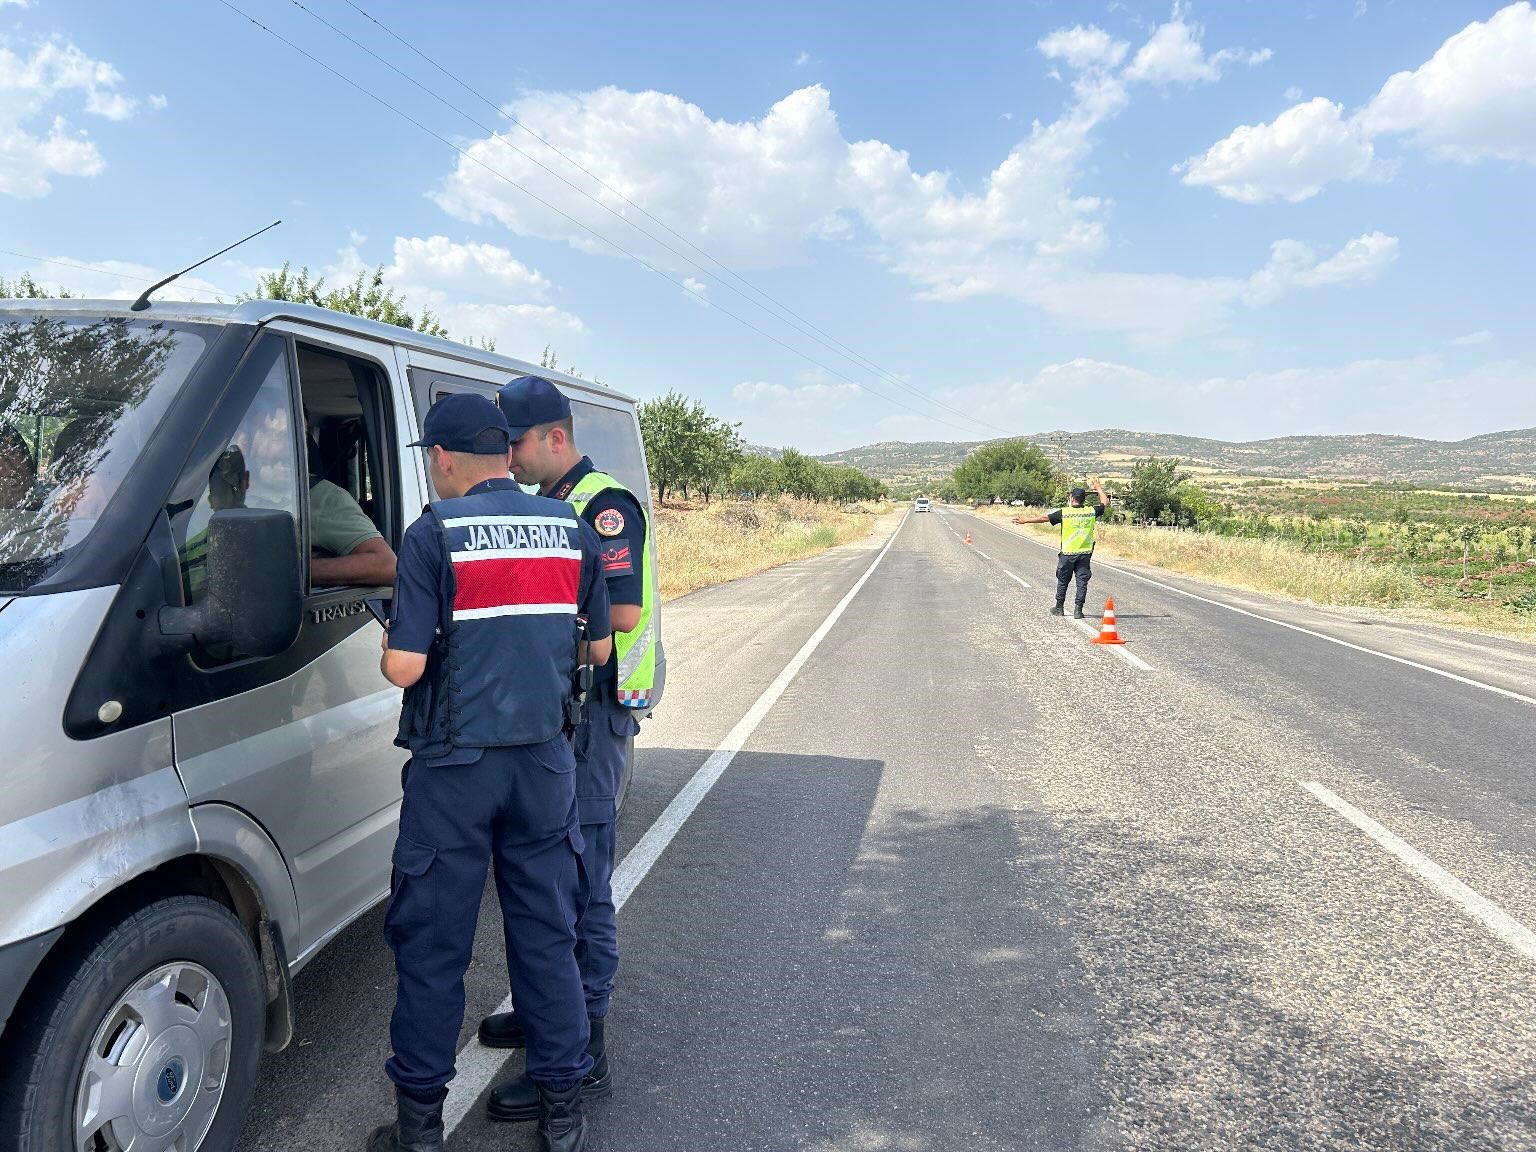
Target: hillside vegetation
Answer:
[[1498, 461]]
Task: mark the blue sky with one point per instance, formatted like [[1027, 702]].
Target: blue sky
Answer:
[[1234, 219]]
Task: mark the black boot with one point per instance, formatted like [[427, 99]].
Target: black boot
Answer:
[[1056, 609], [519, 1099], [418, 1128], [503, 1030], [562, 1127], [1077, 613]]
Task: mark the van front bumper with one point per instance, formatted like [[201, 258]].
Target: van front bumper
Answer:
[[18, 963]]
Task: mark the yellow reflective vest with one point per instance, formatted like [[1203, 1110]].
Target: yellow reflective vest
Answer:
[[1077, 528], [636, 650]]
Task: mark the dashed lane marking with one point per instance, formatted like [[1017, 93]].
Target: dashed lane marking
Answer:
[[479, 1065], [1016, 580], [1469, 900]]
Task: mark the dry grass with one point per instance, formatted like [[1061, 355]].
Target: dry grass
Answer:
[[1282, 568], [702, 544]]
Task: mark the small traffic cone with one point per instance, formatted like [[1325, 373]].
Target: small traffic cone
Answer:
[[967, 535], [1108, 633]]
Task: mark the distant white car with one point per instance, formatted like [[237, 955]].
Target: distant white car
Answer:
[[921, 505]]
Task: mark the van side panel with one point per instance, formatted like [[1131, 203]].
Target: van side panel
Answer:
[[82, 816]]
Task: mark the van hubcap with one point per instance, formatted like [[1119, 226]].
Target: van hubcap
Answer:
[[156, 1069]]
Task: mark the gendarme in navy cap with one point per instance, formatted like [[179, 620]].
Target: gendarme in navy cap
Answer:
[[529, 401], [464, 422]]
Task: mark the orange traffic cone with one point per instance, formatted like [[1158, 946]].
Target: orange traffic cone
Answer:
[[1108, 633], [967, 535]]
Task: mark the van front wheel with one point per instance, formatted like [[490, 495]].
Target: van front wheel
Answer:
[[148, 1037]]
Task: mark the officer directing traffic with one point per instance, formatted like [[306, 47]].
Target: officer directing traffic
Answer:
[[1078, 523], [484, 638], [544, 453]]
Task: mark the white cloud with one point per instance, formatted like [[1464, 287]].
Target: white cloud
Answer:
[[1291, 158], [1084, 48], [1482, 336], [816, 397], [36, 145], [1174, 54], [750, 192], [158, 103], [1474, 100], [1293, 264], [695, 289], [760, 193], [1413, 396], [18, 3], [466, 286], [439, 261], [802, 58], [1293, 94]]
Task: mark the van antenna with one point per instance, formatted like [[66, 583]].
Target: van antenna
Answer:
[[143, 301]]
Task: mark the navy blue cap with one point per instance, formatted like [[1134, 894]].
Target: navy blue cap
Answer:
[[464, 422], [529, 401], [1079, 493]]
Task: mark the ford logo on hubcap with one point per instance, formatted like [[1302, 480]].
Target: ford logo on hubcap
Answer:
[[171, 1077]]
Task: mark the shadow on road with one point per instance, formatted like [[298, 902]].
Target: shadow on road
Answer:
[[798, 977]]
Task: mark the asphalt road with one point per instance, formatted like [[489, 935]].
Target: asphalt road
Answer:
[[970, 882]]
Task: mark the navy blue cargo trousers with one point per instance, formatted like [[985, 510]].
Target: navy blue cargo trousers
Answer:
[[602, 754], [514, 808], [1068, 566]]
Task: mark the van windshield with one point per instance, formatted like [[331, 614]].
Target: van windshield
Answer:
[[79, 397]]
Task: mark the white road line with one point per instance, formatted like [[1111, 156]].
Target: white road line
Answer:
[[1016, 580], [479, 1065], [1467, 680], [1470, 901], [982, 554]]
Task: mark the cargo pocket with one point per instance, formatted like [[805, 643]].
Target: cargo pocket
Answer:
[[413, 894]]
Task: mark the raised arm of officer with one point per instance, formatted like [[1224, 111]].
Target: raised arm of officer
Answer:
[[1098, 487]]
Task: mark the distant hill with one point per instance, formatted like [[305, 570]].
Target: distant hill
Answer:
[[1496, 460]]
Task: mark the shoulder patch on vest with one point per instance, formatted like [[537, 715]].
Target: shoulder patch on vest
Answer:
[[609, 522]]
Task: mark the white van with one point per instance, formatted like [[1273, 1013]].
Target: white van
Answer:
[[200, 787]]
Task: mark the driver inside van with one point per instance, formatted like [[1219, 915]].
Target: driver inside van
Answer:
[[18, 471], [345, 546]]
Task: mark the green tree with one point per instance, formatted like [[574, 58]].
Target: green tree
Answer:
[[367, 296], [1007, 470], [755, 478], [719, 450], [671, 427], [1154, 488], [26, 288]]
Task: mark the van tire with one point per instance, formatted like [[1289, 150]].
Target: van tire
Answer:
[[50, 1037]]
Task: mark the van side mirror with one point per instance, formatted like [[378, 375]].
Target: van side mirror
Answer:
[[254, 602]]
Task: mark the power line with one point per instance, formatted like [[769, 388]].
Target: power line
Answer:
[[801, 326], [649, 267], [809, 329], [216, 293]]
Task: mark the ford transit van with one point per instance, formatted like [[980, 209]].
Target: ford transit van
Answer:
[[198, 785]]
